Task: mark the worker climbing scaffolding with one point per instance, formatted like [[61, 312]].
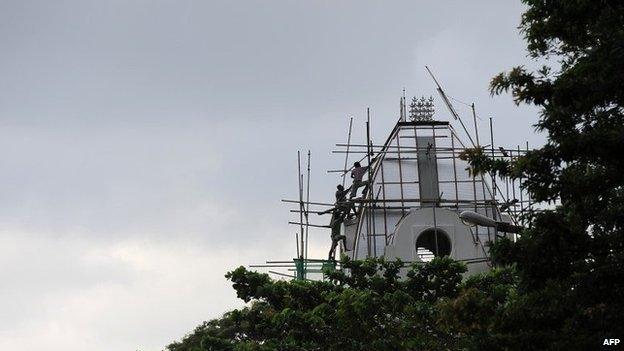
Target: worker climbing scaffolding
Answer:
[[338, 216], [357, 174], [343, 207], [342, 202]]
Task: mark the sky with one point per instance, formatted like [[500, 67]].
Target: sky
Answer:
[[145, 145]]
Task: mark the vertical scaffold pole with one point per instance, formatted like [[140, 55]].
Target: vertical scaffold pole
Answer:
[[520, 190], [346, 162], [513, 187], [383, 195], [297, 242], [455, 170], [369, 147], [528, 194], [492, 150], [474, 119], [307, 210], [364, 205], [476, 128], [494, 209], [474, 184], [301, 208], [435, 204], [398, 137]]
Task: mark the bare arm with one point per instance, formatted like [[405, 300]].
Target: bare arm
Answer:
[[331, 210]]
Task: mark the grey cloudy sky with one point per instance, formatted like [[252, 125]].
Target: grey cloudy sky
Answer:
[[145, 145]]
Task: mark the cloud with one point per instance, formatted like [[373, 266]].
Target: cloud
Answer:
[[77, 294]]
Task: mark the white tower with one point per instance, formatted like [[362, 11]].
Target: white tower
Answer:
[[419, 186]]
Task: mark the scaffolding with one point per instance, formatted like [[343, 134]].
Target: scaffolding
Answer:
[[418, 166]]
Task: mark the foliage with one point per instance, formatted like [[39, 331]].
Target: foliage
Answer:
[[378, 305], [570, 259], [369, 305]]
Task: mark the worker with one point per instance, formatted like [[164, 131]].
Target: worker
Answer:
[[357, 174], [335, 225], [503, 151], [341, 201], [341, 193]]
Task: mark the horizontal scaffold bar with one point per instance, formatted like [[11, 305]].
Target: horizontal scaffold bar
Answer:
[[307, 260], [282, 274], [308, 202], [449, 201], [470, 205], [298, 211], [310, 225], [437, 148], [477, 180]]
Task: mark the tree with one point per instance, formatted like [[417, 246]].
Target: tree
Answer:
[[370, 308], [570, 259]]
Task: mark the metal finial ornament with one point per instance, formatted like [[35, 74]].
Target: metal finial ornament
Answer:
[[421, 109]]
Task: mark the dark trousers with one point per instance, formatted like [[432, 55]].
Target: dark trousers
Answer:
[[356, 185], [335, 241]]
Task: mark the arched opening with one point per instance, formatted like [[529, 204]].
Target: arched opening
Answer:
[[432, 243]]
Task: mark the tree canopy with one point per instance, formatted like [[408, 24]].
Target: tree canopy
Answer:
[[368, 305], [570, 259]]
